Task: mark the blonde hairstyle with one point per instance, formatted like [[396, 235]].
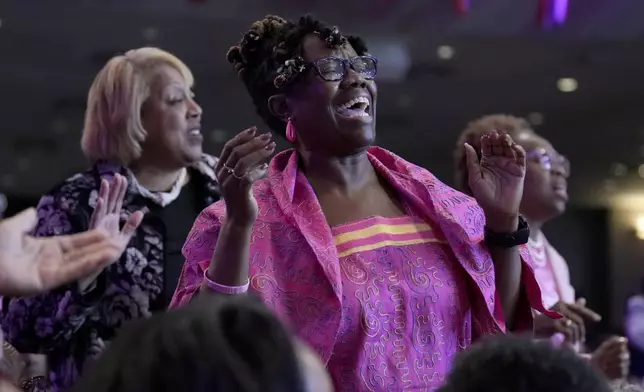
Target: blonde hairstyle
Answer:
[[472, 133], [113, 130]]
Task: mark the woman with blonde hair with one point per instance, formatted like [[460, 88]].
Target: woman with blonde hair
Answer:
[[142, 130]]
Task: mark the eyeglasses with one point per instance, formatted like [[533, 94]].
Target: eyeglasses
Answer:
[[548, 160], [333, 69]]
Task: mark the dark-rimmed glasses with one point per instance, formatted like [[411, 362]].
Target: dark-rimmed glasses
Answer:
[[334, 69], [549, 159]]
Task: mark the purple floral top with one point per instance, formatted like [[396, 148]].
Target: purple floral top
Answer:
[[72, 328]]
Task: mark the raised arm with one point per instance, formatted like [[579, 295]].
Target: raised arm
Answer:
[[38, 323], [30, 265], [219, 243], [41, 322], [496, 182]]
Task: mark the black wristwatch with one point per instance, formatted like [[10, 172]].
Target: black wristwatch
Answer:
[[508, 240]]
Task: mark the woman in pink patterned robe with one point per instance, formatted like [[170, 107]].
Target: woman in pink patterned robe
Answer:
[[385, 271]]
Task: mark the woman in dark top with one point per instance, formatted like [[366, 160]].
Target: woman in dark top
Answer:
[[143, 123]]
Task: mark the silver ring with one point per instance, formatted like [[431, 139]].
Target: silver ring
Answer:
[[230, 170], [238, 177]]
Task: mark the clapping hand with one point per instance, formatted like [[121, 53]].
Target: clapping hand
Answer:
[[241, 164], [572, 324], [497, 179], [30, 265], [106, 218]]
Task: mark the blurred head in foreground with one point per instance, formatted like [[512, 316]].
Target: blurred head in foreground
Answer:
[[216, 343], [522, 364]]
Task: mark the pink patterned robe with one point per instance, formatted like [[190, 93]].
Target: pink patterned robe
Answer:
[[296, 269], [406, 262]]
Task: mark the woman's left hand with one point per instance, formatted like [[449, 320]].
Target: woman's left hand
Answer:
[[497, 179]]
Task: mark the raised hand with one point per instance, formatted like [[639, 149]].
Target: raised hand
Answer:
[[241, 164], [31, 265], [106, 217], [497, 179], [109, 205]]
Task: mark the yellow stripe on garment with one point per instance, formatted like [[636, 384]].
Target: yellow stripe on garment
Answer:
[[381, 229], [384, 243]]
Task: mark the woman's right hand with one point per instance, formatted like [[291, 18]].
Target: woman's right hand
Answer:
[[240, 165]]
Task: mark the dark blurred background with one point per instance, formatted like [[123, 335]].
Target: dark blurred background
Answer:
[[581, 85]]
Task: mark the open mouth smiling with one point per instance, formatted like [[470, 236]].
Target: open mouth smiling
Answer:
[[355, 108]]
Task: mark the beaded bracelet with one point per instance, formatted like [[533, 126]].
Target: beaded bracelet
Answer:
[[223, 289]]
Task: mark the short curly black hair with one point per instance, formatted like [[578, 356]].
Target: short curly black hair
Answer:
[[522, 364], [471, 135], [215, 343], [269, 58]]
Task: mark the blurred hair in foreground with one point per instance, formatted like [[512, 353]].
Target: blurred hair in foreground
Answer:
[[215, 343], [522, 364]]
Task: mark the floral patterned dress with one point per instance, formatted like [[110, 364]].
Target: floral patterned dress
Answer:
[[72, 328]]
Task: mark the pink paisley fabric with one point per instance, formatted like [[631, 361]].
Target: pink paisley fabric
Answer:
[[295, 267], [411, 345]]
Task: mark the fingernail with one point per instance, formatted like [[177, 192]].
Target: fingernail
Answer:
[[264, 166], [251, 130], [557, 339], [265, 136], [270, 146]]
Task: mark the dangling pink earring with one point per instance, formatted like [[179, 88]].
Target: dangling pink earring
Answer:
[[290, 131]]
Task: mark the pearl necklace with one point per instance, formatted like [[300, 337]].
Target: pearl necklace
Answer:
[[538, 251]]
